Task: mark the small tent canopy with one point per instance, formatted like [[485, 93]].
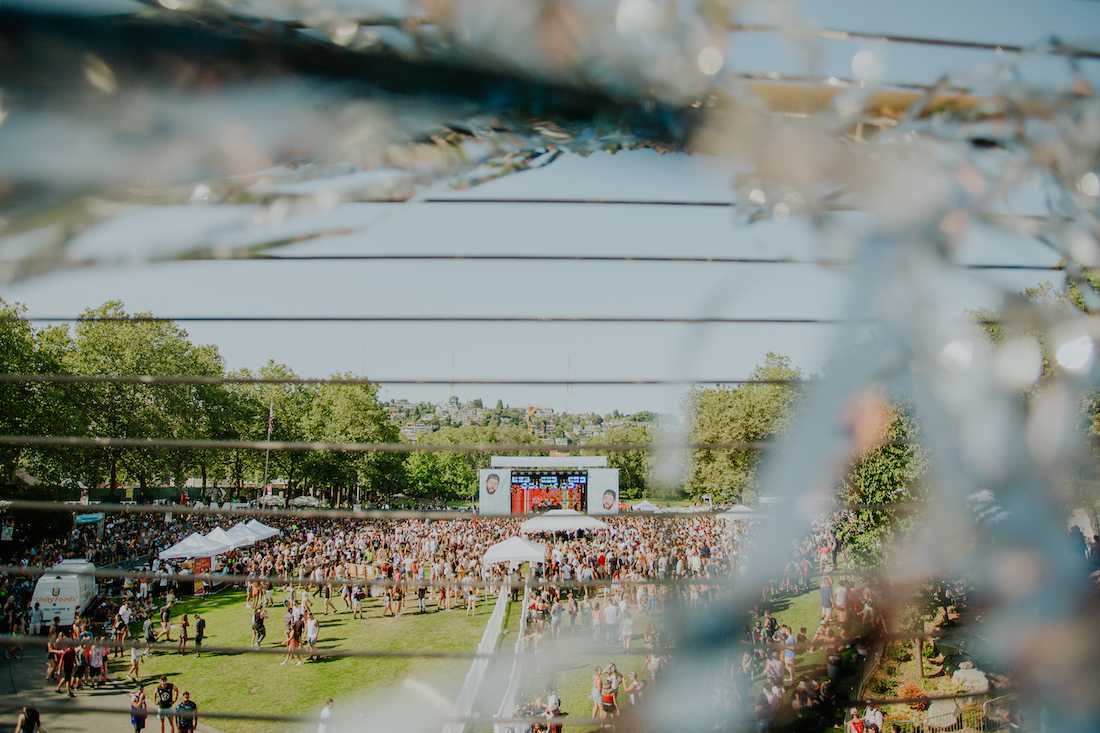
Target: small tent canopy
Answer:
[[311, 501], [515, 550], [244, 534], [561, 520], [271, 500], [645, 506], [194, 545], [262, 529], [221, 537]]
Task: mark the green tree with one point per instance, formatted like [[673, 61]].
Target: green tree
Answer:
[[352, 414], [130, 347], [880, 487], [634, 465], [749, 413], [456, 473]]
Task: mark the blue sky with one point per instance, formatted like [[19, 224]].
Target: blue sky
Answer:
[[553, 351]]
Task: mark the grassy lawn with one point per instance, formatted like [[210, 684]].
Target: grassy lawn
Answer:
[[240, 681]]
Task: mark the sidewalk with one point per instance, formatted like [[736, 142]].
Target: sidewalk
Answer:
[[24, 681]]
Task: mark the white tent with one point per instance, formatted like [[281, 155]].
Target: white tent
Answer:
[[645, 506], [194, 545], [271, 500], [310, 501], [222, 537], [515, 550], [245, 534], [561, 520], [262, 529]]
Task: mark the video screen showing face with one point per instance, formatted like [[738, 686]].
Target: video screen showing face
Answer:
[[539, 491]]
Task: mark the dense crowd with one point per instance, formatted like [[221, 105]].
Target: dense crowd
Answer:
[[590, 586]]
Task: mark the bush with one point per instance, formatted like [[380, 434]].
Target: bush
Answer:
[[911, 691], [890, 670], [902, 653], [884, 686], [928, 649]]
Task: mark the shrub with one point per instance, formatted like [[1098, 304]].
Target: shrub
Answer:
[[928, 649], [902, 653], [911, 691], [884, 686]]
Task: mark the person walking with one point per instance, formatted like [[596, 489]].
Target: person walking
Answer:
[[187, 714], [259, 628], [134, 672], [185, 625], [200, 632], [312, 630], [139, 710], [165, 696]]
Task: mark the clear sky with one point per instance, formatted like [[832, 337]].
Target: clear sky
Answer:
[[554, 351]]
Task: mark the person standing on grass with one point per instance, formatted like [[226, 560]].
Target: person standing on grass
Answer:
[[259, 628], [134, 673], [187, 714], [312, 630], [166, 622], [200, 632], [166, 695], [294, 640], [185, 626]]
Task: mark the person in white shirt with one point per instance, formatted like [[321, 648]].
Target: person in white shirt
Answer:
[[611, 621], [124, 613], [36, 620]]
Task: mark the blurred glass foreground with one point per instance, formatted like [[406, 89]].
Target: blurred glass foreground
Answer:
[[296, 108]]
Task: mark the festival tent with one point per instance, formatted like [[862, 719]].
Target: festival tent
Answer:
[[262, 529], [194, 545], [561, 520], [271, 500], [244, 533], [310, 501], [222, 537], [515, 550], [645, 506]]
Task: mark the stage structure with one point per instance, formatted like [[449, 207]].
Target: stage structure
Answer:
[[528, 484]]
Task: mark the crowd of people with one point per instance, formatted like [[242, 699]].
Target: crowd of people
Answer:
[[606, 585]]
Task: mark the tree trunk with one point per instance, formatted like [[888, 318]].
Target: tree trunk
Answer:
[[114, 472], [202, 468]]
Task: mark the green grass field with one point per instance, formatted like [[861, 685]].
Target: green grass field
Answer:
[[239, 682]]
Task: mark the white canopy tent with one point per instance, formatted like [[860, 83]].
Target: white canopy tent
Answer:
[[194, 545], [271, 500], [245, 534], [515, 550], [310, 501], [222, 537], [261, 529], [561, 520], [645, 506]]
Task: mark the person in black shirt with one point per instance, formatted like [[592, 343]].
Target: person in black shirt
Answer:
[[29, 721], [200, 632], [165, 696], [187, 714]]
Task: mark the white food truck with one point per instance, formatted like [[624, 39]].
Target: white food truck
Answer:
[[63, 594]]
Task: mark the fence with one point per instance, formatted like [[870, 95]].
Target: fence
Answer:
[[511, 693], [991, 715], [479, 667]]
